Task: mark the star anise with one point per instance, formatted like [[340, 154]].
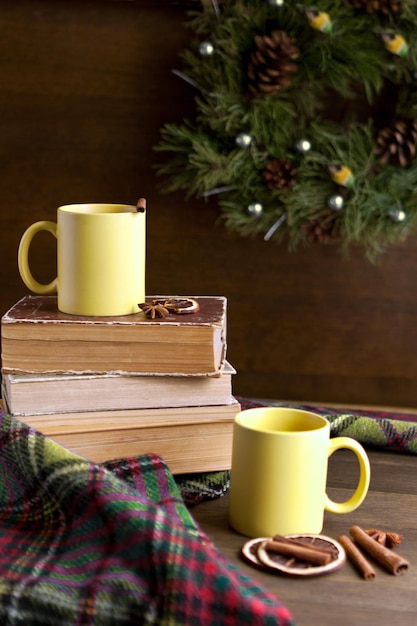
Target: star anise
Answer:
[[153, 309], [387, 539]]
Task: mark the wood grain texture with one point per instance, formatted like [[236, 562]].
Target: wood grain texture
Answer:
[[86, 86], [343, 597]]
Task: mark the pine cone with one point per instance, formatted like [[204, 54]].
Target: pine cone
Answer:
[[321, 229], [397, 144], [384, 6], [279, 174], [271, 64]]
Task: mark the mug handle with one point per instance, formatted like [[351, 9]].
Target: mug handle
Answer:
[[364, 477], [23, 258]]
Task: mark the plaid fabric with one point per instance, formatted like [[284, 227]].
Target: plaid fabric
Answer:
[[81, 546], [383, 430]]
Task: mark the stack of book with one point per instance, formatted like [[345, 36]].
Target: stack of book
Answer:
[[117, 387]]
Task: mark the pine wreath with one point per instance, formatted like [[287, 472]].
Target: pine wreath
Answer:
[[305, 123]]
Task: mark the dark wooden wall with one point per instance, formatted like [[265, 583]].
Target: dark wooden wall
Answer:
[[85, 88]]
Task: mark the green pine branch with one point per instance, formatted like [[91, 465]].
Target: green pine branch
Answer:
[[336, 98]]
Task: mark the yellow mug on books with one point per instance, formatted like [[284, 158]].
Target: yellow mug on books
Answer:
[[279, 472], [100, 258]]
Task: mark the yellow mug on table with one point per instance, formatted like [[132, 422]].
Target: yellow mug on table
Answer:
[[100, 258], [279, 472]]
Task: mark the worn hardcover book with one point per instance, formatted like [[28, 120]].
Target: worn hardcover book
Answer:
[[37, 337], [189, 439], [34, 394]]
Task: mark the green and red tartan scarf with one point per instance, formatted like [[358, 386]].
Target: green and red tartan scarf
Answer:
[[80, 546]]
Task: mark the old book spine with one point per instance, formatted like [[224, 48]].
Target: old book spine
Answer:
[[186, 448], [109, 357]]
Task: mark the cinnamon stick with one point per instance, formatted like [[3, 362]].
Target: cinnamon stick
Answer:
[[291, 540], [141, 205], [391, 561], [299, 551], [357, 558]]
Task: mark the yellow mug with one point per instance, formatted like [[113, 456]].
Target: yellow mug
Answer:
[[279, 472], [100, 259]]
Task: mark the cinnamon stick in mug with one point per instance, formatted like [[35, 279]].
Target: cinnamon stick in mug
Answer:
[[392, 562], [357, 558], [141, 205]]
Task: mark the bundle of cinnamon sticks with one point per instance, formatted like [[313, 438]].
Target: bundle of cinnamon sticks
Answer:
[[378, 550]]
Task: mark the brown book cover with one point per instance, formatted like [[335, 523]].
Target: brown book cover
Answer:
[[189, 439], [37, 337]]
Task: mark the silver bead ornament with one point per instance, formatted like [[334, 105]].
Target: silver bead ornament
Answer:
[[243, 140], [303, 145], [256, 209], [336, 202], [398, 215], [206, 49]]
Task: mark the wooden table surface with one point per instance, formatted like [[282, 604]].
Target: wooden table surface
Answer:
[[343, 598]]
